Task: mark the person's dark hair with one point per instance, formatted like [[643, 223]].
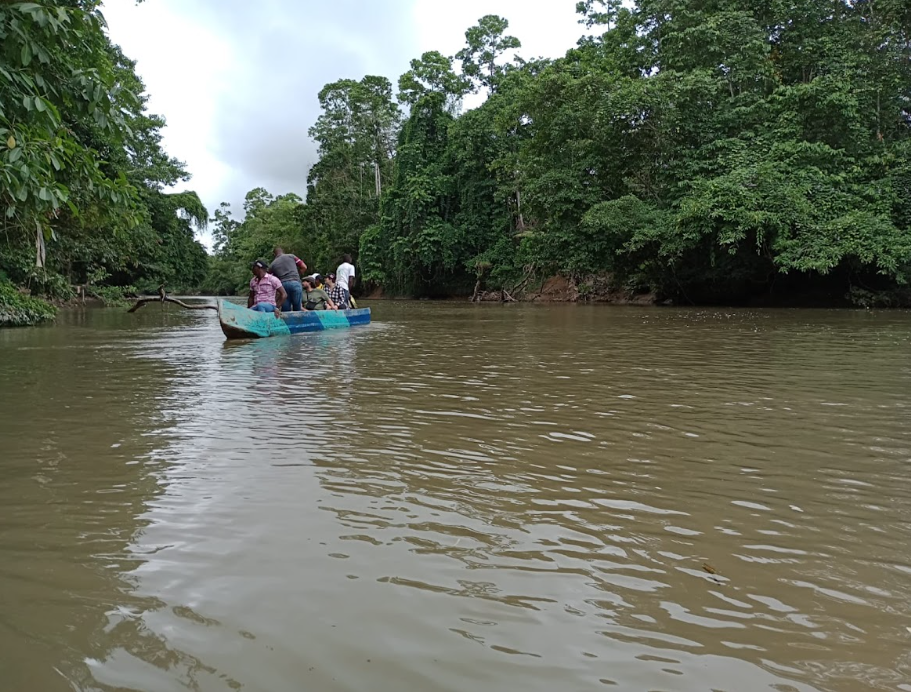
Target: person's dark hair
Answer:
[[330, 277], [346, 258], [318, 278], [277, 250], [309, 280]]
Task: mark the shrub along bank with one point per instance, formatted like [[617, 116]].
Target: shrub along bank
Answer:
[[20, 310]]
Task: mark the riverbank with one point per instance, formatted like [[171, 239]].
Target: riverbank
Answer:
[[555, 289], [560, 289], [18, 309], [790, 292]]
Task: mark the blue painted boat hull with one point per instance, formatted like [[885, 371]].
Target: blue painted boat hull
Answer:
[[239, 322]]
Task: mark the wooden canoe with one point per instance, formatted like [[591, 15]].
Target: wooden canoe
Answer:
[[239, 322]]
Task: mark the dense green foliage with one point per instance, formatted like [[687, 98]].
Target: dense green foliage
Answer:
[[268, 221], [82, 170], [18, 310], [356, 136], [723, 150], [712, 151]]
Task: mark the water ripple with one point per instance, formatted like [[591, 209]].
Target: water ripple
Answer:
[[459, 498]]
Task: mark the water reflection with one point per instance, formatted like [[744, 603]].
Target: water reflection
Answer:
[[79, 473], [462, 498]]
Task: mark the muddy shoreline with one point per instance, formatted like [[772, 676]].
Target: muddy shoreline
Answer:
[[599, 289], [595, 289]]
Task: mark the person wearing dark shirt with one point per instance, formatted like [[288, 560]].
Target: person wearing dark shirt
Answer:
[[287, 268], [336, 292], [316, 298]]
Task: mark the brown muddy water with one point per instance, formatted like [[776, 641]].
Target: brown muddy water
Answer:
[[458, 498]]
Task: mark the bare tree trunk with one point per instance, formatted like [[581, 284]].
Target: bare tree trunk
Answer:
[[477, 290]]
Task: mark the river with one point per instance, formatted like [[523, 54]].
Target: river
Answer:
[[458, 498]]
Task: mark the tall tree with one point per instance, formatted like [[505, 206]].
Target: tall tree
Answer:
[[414, 231], [356, 135], [486, 43], [599, 12], [432, 73], [82, 170], [57, 77], [707, 151]]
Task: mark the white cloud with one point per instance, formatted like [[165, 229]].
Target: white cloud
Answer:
[[186, 68], [238, 81], [546, 28]]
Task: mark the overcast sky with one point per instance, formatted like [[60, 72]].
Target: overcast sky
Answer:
[[238, 80]]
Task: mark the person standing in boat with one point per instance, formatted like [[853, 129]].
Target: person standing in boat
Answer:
[[336, 293], [316, 298], [266, 291], [287, 268], [344, 277]]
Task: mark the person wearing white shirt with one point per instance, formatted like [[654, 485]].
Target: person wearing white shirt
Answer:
[[344, 277]]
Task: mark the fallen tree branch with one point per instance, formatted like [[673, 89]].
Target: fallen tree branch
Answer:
[[481, 269], [165, 298], [477, 290], [520, 287]]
